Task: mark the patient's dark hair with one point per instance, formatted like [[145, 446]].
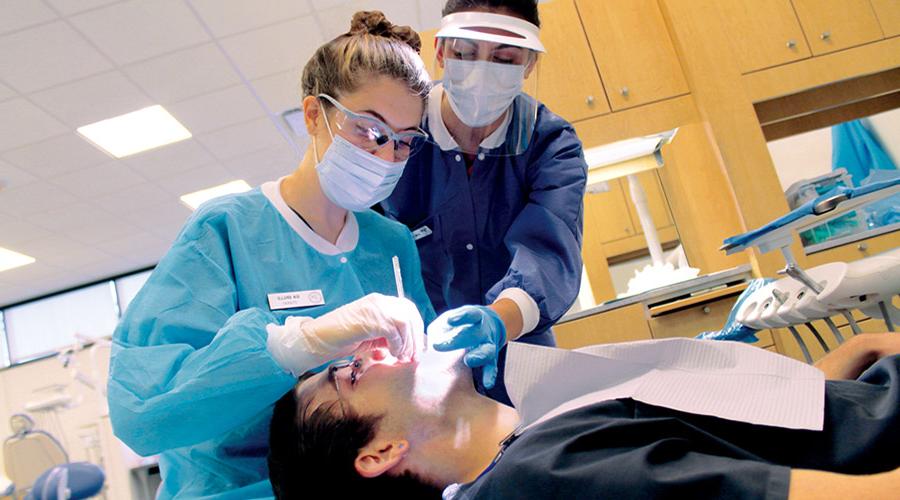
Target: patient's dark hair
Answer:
[[312, 454], [525, 9]]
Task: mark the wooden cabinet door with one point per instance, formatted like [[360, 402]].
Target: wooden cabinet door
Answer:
[[763, 33], [632, 48], [567, 80], [607, 214], [832, 25], [888, 13]]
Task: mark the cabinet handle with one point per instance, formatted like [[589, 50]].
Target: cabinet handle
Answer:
[[625, 91], [825, 36], [590, 100], [792, 44], [706, 310], [862, 247]]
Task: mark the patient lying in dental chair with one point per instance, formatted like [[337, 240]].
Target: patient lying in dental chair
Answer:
[[379, 429]]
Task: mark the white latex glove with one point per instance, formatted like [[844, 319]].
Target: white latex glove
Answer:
[[375, 320]]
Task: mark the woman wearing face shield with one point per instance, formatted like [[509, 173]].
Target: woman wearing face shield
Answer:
[[262, 286], [495, 200]]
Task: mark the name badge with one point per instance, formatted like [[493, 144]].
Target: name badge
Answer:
[[292, 300], [422, 232]]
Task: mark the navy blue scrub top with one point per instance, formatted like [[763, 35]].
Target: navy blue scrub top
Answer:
[[515, 222]]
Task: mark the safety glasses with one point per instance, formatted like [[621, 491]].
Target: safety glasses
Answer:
[[371, 134], [465, 49], [354, 365]]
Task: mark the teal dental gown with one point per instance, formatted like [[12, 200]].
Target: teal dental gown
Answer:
[[190, 375]]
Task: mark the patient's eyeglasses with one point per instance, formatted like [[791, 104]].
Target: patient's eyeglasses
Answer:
[[371, 134], [354, 365]]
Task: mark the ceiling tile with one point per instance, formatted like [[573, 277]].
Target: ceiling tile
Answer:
[[169, 160], [69, 7], [336, 20], [241, 139], [327, 4], [62, 251], [100, 231], [33, 198], [217, 110], [56, 156], [77, 215], [195, 180], [30, 124], [24, 278], [84, 223], [12, 177], [14, 230], [6, 92], [47, 55], [274, 49], [137, 243], [93, 99], [281, 91], [264, 165], [430, 14], [140, 29], [18, 14], [183, 74], [164, 220], [226, 17], [134, 198], [96, 181]]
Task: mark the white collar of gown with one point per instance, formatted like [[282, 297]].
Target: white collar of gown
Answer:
[[346, 241]]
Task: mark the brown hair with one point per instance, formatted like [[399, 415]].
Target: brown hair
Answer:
[[373, 47]]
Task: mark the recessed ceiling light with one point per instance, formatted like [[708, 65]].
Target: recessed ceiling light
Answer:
[[10, 259], [196, 198], [134, 132]]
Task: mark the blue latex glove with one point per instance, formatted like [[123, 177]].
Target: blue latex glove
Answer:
[[478, 330]]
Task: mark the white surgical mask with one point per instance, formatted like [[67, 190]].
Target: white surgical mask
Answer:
[[480, 91], [353, 178]]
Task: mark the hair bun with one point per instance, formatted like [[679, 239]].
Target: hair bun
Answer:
[[374, 22]]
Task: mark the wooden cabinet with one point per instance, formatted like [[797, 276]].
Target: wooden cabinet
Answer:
[[612, 214], [763, 33], [633, 51], [607, 213], [624, 324], [567, 80], [856, 250], [888, 13], [681, 318], [696, 317], [832, 25]]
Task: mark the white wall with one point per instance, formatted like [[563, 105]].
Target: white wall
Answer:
[[20, 384], [808, 155]]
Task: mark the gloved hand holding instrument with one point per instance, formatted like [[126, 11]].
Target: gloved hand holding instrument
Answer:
[[375, 320]]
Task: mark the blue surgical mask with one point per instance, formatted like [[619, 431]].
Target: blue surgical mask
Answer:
[[480, 91], [353, 178]]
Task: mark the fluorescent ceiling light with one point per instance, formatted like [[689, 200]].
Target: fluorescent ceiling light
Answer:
[[134, 132], [197, 198], [629, 149], [10, 259]]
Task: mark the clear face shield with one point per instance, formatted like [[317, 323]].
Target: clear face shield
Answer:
[[484, 62]]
